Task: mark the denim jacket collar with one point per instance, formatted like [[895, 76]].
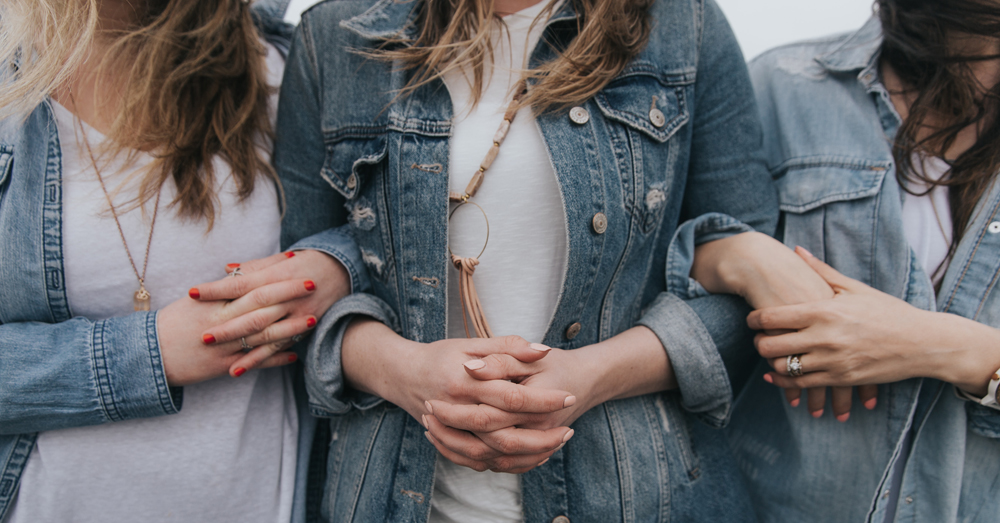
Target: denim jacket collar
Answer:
[[857, 52], [391, 18]]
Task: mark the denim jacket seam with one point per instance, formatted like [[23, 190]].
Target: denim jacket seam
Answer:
[[968, 263]]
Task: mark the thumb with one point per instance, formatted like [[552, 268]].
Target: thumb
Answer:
[[515, 346], [838, 282]]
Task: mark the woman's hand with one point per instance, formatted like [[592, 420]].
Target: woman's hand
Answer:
[[274, 326], [630, 364], [866, 336], [191, 357], [418, 376]]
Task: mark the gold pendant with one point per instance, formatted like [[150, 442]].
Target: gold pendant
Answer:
[[141, 299]]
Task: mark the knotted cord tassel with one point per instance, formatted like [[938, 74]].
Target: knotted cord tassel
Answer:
[[470, 299]]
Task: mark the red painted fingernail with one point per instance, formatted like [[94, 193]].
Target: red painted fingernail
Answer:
[[870, 404], [292, 358], [817, 413], [289, 254], [310, 322], [208, 339], [239, 372], [768, 378], [843, 417], [794, 402], [232, 265], [310, 286], [194, 294]]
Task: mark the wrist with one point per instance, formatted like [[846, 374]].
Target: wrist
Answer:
[[965, 353], [370, 356]]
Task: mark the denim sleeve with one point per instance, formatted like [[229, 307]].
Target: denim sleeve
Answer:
[[82, 372], [728, 191]]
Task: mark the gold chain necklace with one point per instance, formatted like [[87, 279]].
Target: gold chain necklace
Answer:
[[467, 266], [141, 298]]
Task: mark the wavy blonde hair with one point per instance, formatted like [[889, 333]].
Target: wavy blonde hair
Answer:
[[193, 85], [456, 33]]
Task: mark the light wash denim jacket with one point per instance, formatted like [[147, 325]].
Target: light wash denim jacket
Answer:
[[349, 149], [828, 125], [57, 370]]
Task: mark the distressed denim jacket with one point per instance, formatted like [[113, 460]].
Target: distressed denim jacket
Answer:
[[350, 150], [57, 370], [829, 124]]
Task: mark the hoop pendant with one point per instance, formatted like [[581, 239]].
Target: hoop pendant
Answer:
[[469, 202], [472, 309]]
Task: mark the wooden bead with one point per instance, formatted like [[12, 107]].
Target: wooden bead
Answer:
[[490, 156], [455, 197], [474, 183], [501, 132]]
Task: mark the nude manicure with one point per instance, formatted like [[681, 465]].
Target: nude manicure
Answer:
[[430, 409], [568, 435], [569, 401], [542, 462], [474, 364], [539, 347]]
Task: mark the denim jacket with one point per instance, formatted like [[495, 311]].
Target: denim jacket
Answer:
[[829, 124], [59, 371], [350, 150]]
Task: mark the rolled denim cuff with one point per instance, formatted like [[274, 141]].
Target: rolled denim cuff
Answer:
[[131, 383], [690, 234], [982, 420], [328, 395], [700, 372], [339, 244]]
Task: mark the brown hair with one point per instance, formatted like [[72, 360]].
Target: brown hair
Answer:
[[456, 33], [193, 85], [947, 96]]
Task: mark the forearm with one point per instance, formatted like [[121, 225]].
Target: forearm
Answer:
[[369, 356], [630, 364], [957, 350]]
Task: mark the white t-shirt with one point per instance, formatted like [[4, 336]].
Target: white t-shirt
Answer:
[[521, 272], [927, 219], [230, 454]]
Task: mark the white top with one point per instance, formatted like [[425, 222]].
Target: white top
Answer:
[[927, 219], [521, 272], [230, 454]]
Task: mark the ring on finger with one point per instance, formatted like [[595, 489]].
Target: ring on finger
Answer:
[[793, 365], [244, 345], [236, 272], [297, 338]]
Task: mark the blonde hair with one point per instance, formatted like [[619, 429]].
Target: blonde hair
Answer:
[[456, 33], [193, 85]]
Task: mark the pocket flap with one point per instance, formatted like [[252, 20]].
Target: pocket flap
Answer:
[[804, 188], [645, 103], [345, 159], [6, 162]]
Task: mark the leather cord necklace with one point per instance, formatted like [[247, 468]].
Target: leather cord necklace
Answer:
[[472, 308]]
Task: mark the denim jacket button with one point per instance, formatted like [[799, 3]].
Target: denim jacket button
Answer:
[[352, 181], [599, 223], [657, 118], [994, 227], [571, 333], [560, 519], [579, 115]]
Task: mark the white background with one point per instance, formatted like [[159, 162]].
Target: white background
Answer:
[[762, 24]]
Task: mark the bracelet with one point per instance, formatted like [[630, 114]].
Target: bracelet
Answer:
[[992, 397]]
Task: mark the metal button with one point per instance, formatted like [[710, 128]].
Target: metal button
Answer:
[[579, 115], [560, 519], [656, 116], [572, 331], [885, 495], [994, 227], [599, 223], [909, 500], [352, 181]]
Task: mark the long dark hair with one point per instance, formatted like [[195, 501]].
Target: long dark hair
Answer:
[[916, 45]]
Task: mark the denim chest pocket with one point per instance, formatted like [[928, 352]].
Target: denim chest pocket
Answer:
[[350, 161], [651, 109], [807, 186]]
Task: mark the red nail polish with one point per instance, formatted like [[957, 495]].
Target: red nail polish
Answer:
[[794, 403], [870, 404], [310, 322], [289, 254], [310, 286], [194, 294], [768, 378], [292, 358], [239, 372], [817, 413], [208, 339], [232, 265]]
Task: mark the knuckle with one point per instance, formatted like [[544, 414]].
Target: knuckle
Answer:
[[501, 464], [260, 297], [507, 444], [455, 389], [481, 421], [257, 323], [479, 466], [514, 399], [479, 452]]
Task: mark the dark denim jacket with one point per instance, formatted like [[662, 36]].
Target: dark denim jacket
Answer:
[[59, 371], [349, 150]]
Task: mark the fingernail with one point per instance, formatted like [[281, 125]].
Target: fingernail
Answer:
[[292, 358], [542, 462], [239, 372], [310, 286], [817, 413], [843, 417], [474, 364], [569, 401], [870, 404], [193, 293], [539, 347], [232, 265], [289, 254], [560, 447], [794, 402], [208, 339], [310, 322], [430, 409], [423, 420], [804, 251], [768, 378], [428, 436], [568, 435]]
